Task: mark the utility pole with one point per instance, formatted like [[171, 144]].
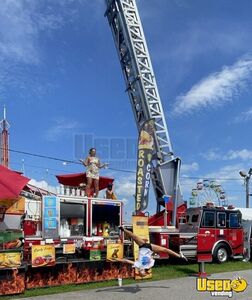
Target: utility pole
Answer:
[[246, 177], [5, 141]]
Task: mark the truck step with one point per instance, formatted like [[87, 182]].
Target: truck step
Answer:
[[238, 256], [189, 250], [189, 253], [188, 247]]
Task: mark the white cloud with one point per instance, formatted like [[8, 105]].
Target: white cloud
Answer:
[[125, 186], [214, 154], [62, 127], [244, 116], [187, 184], [243, 154], [127, 189], [189, 167], [43, 185], [23, 25], [216, 89], [226, 172], [20, 26]]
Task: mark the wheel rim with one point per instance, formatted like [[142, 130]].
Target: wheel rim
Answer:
[[222, 254]]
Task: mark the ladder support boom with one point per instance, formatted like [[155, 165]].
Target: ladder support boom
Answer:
[[140, 82]]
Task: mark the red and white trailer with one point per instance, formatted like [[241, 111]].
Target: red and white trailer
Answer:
[[62, 238]]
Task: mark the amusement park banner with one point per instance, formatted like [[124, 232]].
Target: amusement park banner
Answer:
[[144, 159]]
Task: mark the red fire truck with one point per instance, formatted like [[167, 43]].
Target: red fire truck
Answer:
[[211, 232], [205, 232], [74, 224]]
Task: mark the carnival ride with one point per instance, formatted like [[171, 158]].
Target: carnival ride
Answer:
[[208, 191]]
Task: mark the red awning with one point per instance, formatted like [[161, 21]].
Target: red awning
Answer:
[[11, 183], [76, 179]]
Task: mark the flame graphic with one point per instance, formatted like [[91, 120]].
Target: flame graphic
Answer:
[[13, 282]]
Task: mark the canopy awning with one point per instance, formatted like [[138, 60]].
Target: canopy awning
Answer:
[[76, 179], [11, 183], [246, 213]]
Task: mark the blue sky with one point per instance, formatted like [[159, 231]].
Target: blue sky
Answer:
[[62, 84]]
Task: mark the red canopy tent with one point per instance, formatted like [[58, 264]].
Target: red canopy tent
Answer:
[[11, 183], [76, 179]]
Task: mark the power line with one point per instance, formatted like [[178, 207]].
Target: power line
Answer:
[[63, 160], [122, 170], [40, 167], [112, 169], [44, 156], [208, 178]]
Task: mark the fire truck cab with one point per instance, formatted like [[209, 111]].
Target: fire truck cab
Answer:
[[212, 233]]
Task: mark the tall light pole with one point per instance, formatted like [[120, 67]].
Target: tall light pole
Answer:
[[4, 125], [246, 177]]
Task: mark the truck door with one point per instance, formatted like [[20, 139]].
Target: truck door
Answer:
[[206, 236], [235, 233]]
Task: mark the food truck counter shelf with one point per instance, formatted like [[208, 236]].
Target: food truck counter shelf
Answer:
[[11, 250], [94, 238], [10, 269], [33, 238], [72, 237], [67, 261]]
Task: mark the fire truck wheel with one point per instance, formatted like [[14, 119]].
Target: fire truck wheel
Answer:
[[221, 254]]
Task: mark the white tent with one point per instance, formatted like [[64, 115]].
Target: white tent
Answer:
[[246, 213]]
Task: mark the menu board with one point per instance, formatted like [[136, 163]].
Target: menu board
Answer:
[[50, 207]]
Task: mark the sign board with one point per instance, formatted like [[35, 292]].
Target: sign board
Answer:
[[144, 164], [114, 251], [50, 206], [94, 254], [141, 229], [43, 255], [17, 208], [11, 206], [10, 260], [69, 248]]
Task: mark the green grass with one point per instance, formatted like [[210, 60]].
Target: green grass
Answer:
[[176, 271], [160, 272]]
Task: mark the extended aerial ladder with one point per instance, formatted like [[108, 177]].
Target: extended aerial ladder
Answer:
[[141, 86]]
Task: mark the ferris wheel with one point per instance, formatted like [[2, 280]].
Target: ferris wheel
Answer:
[[208, 191]]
